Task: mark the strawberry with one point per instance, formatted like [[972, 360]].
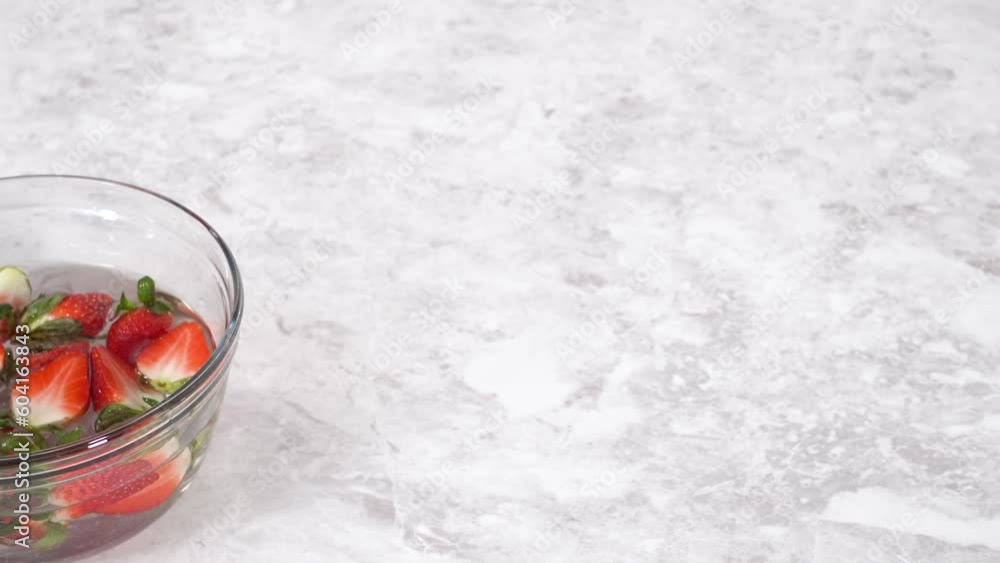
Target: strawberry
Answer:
[[59, 392], [139, 325], [172, 359], [172, 467], [38, 360], [61, 316], [124, 488], [135, 330], [105, 487], [115, 389], [15, 289]]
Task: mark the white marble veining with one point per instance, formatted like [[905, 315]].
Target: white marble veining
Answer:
[[566, 281]]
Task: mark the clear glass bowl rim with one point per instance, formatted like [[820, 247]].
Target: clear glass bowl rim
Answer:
[[214, 364]]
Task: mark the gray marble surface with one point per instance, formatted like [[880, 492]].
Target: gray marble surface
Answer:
[[584, 282]]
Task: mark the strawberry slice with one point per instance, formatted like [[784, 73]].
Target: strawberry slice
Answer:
[[171, 360], [15, 289], [135, 330], [115, 389], [105, 487], [172, 467], [59, 392], [38, 360], [61, 316]]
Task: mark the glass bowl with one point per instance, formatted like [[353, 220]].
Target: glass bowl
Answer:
[[72, 220]]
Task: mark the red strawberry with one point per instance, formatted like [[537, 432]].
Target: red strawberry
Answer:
[[38, 360], [102, 488], [125, 488], [170, 474], [171, 360], [59, 392], [60, 315], [132, 332], [88, 309], [115, 389]]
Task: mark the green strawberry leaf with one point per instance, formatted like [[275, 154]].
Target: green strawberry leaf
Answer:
[[12, 444], [147, 291], [147, 295], [8, 367], [160, 307], [114, 414], [37, 309], [201, 442], [8, 528], [8, 444], [124, 305], [56, 329], [55, 534], [7, 318], [70, 436], [167, 387]]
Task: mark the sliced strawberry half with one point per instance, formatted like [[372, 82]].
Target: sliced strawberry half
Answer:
[[38, 360], [105, 487], [15, 289], [171, 360], [115, 389], [172, 467], [59, 392], [61, 316], [135, 330]]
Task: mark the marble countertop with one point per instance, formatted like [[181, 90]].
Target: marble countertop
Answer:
[[568, 281]]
